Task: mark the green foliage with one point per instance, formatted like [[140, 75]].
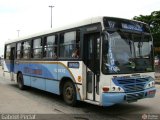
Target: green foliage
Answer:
[[153, 20]]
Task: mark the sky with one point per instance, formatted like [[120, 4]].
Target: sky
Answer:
[[33, 16]]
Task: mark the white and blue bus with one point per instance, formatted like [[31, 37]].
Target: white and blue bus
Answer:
[[102, 61]]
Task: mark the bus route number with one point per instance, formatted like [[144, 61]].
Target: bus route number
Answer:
[[60, 70]]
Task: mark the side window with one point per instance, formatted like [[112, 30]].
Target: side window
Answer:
[[8, 52], [37, 48], [50, 47], [69, 45], [18, 50], [26, 49]]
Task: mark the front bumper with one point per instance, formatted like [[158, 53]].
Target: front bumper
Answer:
[[108, 99]]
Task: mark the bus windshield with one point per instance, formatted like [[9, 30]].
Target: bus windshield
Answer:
[[126, 52]]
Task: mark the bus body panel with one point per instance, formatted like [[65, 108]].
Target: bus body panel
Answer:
[[48, 75], [8, 66], [27, 80], [38, 83], [52, 86], [108, 99], [129, 92]]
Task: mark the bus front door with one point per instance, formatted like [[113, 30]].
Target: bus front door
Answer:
[[92, 61]]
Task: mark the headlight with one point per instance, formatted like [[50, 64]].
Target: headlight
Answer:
[[116, 89], [150, 84]]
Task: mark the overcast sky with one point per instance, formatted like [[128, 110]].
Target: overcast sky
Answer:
[[32, 16]]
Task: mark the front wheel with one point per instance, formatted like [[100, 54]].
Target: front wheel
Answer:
[[20, 81], [69, 93]]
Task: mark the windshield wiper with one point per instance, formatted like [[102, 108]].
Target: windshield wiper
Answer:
[[140, 44], [126, 38]]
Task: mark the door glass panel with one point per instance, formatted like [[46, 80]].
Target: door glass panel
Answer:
[[89, 81], [92, 56]]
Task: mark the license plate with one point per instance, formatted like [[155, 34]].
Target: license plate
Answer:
[[151, 92]]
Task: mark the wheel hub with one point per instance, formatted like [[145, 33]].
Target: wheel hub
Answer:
[[69, 93]]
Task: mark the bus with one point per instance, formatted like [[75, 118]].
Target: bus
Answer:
[[102, 61]]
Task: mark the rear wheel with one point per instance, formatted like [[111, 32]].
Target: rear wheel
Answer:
[[69, 93], [20, 81]]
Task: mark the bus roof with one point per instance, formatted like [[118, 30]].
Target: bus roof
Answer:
[[74, 25], [70, 26]]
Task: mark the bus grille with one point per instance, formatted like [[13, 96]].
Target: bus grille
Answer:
[[131, 85], [134, 96]]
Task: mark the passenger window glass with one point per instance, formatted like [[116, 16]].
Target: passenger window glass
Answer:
[[37, 48], [26, 49], [50, 47], [69, 45], [18, 50], [8, 51]]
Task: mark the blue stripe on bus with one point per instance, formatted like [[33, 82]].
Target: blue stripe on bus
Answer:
[[50, 71], [45, 76]]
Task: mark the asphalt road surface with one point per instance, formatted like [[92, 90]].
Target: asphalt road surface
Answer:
[[37, 104]]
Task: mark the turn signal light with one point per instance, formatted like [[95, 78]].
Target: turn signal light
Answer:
[[79, 78], [105, 89]]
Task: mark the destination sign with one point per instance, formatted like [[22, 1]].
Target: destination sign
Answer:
[[117, 23], [135, 27]]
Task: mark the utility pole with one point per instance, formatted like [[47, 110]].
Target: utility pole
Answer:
[[18, 32], [51, 14]]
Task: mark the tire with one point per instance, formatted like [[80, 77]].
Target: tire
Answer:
[[20, 81], [69, 93]]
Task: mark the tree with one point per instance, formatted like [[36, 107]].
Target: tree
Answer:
[[153, 20]]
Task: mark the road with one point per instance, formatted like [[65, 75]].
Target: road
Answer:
[[46, 105]]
